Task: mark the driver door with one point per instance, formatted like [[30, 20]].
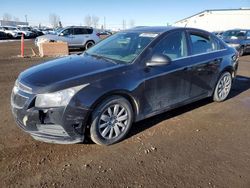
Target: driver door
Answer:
[[168, 85], [67, 35]]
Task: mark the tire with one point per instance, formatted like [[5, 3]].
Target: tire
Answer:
[[223, 87], [241, 51], [89, 44], [111, 121]]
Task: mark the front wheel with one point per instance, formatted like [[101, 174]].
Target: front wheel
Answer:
[[241, 51], [111, 121], [223, 87]]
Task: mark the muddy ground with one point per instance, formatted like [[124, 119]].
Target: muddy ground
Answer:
[[204, 144]]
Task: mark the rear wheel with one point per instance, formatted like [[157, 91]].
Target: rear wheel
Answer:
[[223, 87], [111, 121], [89, 44]]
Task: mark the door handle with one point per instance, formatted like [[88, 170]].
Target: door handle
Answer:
[[187, 68]]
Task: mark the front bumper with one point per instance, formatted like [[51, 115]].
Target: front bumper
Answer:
[[63, 125]]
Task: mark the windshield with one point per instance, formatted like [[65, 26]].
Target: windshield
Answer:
[[123, 47], [24, 28], [234, 34], [58, 30]]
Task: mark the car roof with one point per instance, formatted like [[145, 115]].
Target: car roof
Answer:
[[160, 29], [154, 29], [78, 27]]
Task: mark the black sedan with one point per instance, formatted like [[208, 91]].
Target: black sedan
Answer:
[[125, 78]]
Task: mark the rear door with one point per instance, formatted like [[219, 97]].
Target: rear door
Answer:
[[80, 35], [206, 57]]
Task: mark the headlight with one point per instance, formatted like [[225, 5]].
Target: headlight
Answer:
[[57, 99]]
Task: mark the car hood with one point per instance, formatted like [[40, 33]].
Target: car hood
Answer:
[[232, 41], [48, 37], [65, 72]]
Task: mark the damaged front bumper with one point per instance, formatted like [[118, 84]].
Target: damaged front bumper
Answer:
[[63, 125]]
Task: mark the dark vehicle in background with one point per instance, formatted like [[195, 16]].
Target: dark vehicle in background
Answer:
[[239, 39], [130, 76], [37, 32], [218, 34], [104, 34], [3, 35], [27, 32], [33, 32]]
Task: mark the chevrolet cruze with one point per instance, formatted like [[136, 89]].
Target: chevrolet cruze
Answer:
[[125, 78]]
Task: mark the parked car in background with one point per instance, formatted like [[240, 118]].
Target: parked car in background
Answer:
[[11, 31], [76, 37], [104, 34], [130, 76], [3, 35], [218, 34], [239, 39], [38, 32], [47, 31], [27, 31]]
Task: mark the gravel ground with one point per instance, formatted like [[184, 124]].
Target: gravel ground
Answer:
[[204, 144]]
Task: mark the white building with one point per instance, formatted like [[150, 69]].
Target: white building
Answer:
[[218, 20]]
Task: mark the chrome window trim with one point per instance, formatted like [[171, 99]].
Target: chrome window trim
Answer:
[[195, 55]]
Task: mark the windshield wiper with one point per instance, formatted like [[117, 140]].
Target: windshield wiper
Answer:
[[102, 57]]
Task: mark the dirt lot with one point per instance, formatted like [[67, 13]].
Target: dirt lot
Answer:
[[204, 144]]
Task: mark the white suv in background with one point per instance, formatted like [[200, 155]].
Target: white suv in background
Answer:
[[75, 36], [11, 31]]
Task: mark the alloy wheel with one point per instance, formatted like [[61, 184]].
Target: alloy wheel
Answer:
[[113, 121], [224, 86]]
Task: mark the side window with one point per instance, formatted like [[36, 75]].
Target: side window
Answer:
[[68, 32], [89, 31], [80, 31], [173, 45], [217, 44], [248, 34], [201, 44]]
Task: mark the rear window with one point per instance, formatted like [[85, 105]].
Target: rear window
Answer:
[[218, 44], [82, 31]]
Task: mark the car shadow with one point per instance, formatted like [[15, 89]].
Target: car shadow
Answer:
[[240, 85], [75, 51]]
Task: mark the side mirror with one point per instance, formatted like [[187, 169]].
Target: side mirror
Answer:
[[158, 60], [61, 34]]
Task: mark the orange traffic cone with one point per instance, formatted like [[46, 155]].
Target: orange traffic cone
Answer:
[[22, 46]]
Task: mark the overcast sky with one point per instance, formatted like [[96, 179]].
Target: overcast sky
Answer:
[[143, 12]]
